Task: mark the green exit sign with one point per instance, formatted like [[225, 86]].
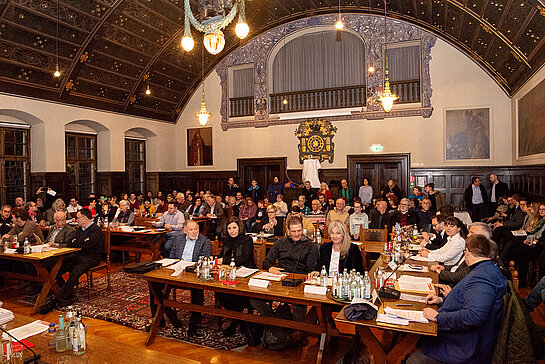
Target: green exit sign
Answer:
[[377, 147]]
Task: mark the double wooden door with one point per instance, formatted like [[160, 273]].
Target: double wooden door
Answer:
[[263, 170]]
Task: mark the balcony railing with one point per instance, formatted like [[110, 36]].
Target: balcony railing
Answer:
[[408, 91], [241, 106], [332, 98]]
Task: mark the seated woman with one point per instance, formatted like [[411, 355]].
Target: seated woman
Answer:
[[338, 254], [147, 208], [247, 213], [452, 253], [324, 190], [271, 224], [240, 247], [161, 206], [417, 192], [197, 208]]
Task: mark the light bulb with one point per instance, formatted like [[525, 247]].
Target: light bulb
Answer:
[[371, 69], [285, 101], [57, 72], [339, 24], [187, 43], [148, 91], [242, 29]]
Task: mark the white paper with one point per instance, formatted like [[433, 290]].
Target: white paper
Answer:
[[38, 248], [518, 233], [5, 316], [52, 193], [28, 330], [392, 265], [412, 297], [244, 272], [166, 261], [412, 283], [406, 268], [270, 276], [10, 251], [179, 267], [49, 248], [415, 316], [422, 259], [309, 288], [363, 300], [381, 317], [254, 282]]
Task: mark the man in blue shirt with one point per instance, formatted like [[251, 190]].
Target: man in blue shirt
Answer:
[[188, 246], [476, 200], [469, 317]]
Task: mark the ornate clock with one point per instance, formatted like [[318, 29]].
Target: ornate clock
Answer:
[[316, 140]]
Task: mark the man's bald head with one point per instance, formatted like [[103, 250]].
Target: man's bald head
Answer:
[[60, 219]]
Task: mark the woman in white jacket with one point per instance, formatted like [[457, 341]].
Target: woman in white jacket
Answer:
[[452, 253]]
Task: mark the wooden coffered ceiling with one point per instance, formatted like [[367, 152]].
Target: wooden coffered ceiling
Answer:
[[109, 48]]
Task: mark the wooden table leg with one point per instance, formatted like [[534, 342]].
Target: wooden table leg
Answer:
[[155, 247], [48, 281], [321, 348], [403, 348], [158, 295], [373, 345]]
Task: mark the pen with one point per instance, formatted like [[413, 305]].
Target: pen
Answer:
[[403, 304]]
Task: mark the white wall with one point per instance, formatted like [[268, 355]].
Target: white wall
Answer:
[[457, 82], [527, 87]]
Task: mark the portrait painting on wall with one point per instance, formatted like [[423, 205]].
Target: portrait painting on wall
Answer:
[[531, 122], [199, 147], [467, 133]]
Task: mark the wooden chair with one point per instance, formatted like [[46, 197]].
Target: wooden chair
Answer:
[[216, 247], [104, 264], [514, 275], [260, 252], [374, 235]]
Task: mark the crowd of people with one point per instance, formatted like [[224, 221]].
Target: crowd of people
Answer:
[[472, 258]]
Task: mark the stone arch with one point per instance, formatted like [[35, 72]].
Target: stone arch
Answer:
[[104, 143]]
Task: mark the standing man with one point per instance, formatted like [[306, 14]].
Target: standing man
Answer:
[[231, 188], [469, 317], [172, 219], [254, 192], [497, 189], [90, 240], [391, 189], [345, 192], [476, 199]]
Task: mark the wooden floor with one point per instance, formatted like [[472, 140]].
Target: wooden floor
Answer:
[[130, 337]]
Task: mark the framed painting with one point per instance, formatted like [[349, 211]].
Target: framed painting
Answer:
[[467, 133], [199, 147], [531, 122]]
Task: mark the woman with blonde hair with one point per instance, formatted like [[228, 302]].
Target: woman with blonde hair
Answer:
[[338, 254]]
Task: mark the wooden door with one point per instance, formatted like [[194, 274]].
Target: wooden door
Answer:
[[263, 170]]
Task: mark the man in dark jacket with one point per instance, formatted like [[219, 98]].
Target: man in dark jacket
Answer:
[[378, 217], [404, 216], [230, 188], [309, 193], [497, 189], [24, 228], [502, 230], [5, 220], [469, 316], [391, 189], [254, 192], [188, 247], [476, 200], [437, 240], [61, 233]]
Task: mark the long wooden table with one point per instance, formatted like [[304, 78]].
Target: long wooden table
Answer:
[[275, 292], [98, 350], [47, 278], [152, 239], [396, 342]]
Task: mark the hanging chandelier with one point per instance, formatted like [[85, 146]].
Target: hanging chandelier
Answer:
[[203, 115], [387, 99], [214, 40]]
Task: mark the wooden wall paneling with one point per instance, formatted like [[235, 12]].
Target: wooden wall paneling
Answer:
[[111, 183], [262, 169], [57, 181], [152, 182]]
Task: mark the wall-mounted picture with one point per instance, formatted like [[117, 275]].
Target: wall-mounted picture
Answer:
[[467, 133], [199, 147], [531, 123]]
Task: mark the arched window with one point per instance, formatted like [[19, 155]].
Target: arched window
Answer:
[[14, 164], [316, 71]]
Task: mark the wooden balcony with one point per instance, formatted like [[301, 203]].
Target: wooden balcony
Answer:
[[408, 91], [241, 106]]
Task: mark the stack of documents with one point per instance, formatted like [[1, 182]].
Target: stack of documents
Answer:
[[412, 283], [270, 277], [28, 330], [401, 317], [179, 267], [5, 316], [244, 272]]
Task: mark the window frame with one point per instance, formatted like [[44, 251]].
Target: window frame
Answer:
[[4, 158], [77, 161], [129, 163]]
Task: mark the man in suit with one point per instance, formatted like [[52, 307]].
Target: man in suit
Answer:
[[404, 216], [90, 240], [214, 210], [497, 189], [61, 233], [437, 240], [476, 199], [188, 247], [231, 188]]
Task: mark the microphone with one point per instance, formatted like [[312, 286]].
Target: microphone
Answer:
[[34, 358], [292, 282], [388, 292]]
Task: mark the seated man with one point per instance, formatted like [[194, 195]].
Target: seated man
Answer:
[[172, 219], [73, 208], [502, 230], [214, 210], [281, 206], [90, 240], [61, 233], [338, 213], [33, 212], [5, 220], [295, 253], [24, 228], [403, 215], [425, 214], [437, 240], [124, 215], [308, 227], [271, 224], [378, 217], [452, 277], [468, 319], [188, 247]]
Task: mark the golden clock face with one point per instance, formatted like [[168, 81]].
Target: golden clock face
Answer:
[[315, 143]]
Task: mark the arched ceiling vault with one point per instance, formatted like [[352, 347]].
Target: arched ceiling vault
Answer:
[[110, 49]]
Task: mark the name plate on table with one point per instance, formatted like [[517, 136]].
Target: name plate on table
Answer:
[[255, 282], [315, 289], [392, 265]]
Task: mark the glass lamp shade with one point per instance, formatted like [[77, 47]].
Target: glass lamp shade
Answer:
[[214, 42], [57, 71], [387, 101], [242, 29], [203, 115], [187, 43]]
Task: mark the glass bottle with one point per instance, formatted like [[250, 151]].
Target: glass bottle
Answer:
[[26, 247], [232, 270], [61, 339], [323, 277], [334, 290], [367, 283]]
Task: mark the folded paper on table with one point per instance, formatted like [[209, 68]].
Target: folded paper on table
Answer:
[[244, 272], [518, 233], [309, 288], [167, 261], [421, 259], [412, 297], [270, 276], [254, 282], [410, 315], [38, 248], [27, 330], [415, 284], [383, 318], [179, 267]]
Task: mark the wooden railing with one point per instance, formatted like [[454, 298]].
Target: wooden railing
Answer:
[[332, 98], [241, 106], [408, 91]]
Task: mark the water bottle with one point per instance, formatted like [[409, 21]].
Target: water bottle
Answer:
[[106, 222], [340, 287], [367, 284], [233, 270], [334, 290], [79, 332], [206, 269], [26, 247], [323, 277], [318, 236], [380, 278]]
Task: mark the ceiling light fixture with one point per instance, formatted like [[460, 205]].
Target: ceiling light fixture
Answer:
[[214, 40], [57, 70], [339, 24], [203, 115], [387, 99]]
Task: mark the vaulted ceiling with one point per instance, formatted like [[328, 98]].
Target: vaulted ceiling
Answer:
[[109, 48]]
